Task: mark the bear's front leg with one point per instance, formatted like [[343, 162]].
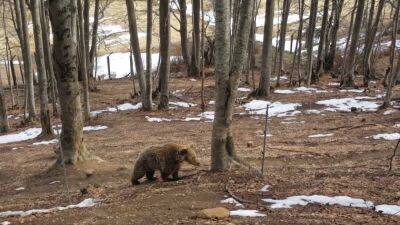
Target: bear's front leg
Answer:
[[165, 176]]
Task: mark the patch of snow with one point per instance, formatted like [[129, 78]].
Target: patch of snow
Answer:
[[387, 136], [28, 134], [208, 115], [265, 188], [320, 135], [20, 189], [97, 112], [129, 106], [312, 111], [246, 213], [95, 128], [353, 90], [211, 102], [53, 141], [105, 30], [188, 119], [157, 120], [120, 64], [258, 107], [397, 125], [89, 202], [242, 89], [284, 91], [345, 105], [388, 209], [194, 80], [299, 89], [232, 201], [5, 223], [304, 200], [182, 104], [390, 111], [333, 84]]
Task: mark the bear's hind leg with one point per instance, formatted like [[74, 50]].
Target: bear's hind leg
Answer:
[[150, 175]]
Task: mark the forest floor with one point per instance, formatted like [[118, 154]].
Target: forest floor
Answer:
[[346, 163]]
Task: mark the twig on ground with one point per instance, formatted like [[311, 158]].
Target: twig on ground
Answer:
[[240, 200]]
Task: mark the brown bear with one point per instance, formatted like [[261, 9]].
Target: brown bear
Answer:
[[166, 158]]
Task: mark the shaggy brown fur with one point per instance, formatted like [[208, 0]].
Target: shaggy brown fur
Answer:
[[166, 158]]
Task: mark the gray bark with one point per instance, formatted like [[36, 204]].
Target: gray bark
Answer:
[[282, 38], [83, 49], [63, 16], [337, 8], [149, 95], [27, 63], [136, 52], [347, 79], [321, 47], [266, 58], [165, 38], [195, 61], [369, 42], [41, 69], [310, 39], [4, 127], [184, 34], [222, 146]]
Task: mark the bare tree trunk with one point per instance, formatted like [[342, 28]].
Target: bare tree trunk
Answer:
[[149, 91], [222, 147], [63, 16], [136, 52], [350, 27], [337, 9], [86, 27], [323, 34], [27, 62], [347, 79], [48, 59], [369, 42], [4, 127], [266, 58], [93, 46], [282, 38], [195, 63], [165, 38], [83, 64], [184, 34], [41, 69], [393, 74], [300, 39], [310, 39]]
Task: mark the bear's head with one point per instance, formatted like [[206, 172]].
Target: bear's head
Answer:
[[189, 155]]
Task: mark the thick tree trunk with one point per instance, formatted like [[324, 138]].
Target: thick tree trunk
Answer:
[[63, 16], [323, 34], [41, 69], [310, 39], [195, 61], [136, 52], [149, 85], [83, 49], [27, 62], [165, 37], [369, 42], [347, 79], [350, 31], [266, 58], [3, 110], [184, 34], [222, 147], [330, 58], [282, 38]]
